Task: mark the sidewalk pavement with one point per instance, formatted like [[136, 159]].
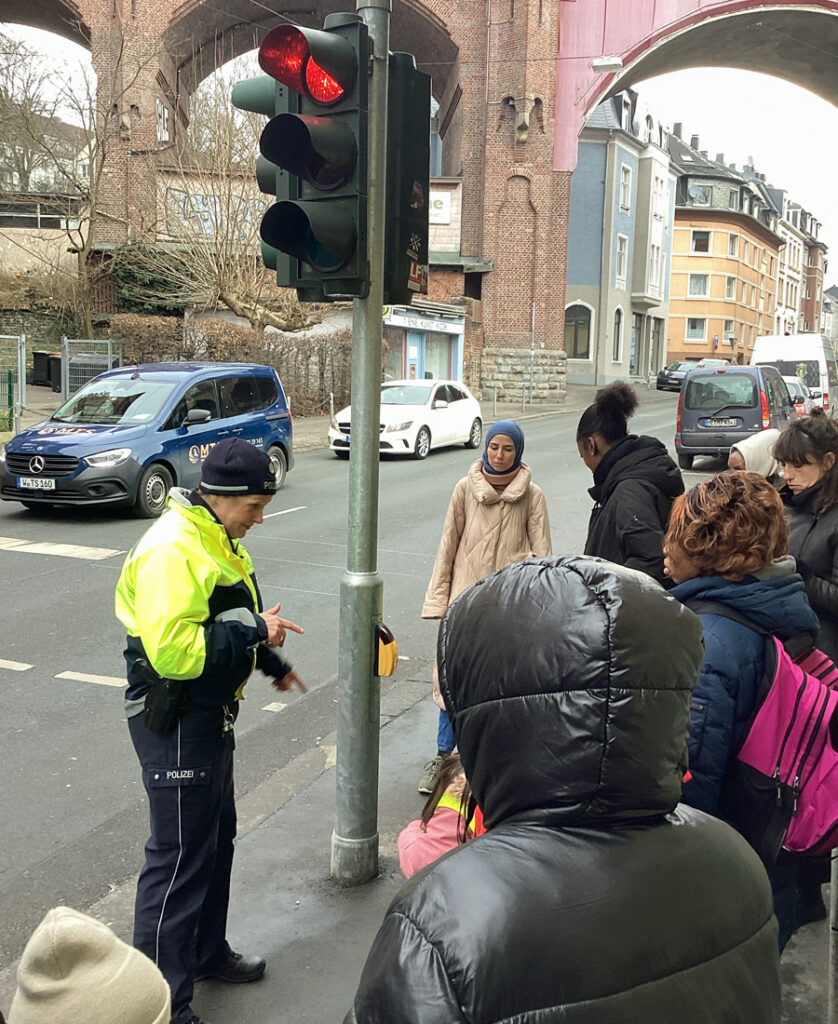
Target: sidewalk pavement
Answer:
[[315, 934]]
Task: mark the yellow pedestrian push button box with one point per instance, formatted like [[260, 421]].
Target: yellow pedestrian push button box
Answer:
[[387, 654]]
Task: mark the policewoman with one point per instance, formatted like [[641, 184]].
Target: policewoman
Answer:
[[188, 599]]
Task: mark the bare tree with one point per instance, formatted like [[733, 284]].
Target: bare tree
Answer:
[[72, 152], [208, 250]]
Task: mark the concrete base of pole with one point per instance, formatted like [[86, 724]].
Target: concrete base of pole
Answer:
[[354, 861]]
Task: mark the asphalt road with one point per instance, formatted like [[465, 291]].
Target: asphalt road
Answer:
[[72, 806]]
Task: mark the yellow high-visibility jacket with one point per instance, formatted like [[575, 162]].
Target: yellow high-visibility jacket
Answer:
[[187, 597]]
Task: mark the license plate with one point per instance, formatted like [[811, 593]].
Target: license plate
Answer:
[[720, 423], [37, 483]]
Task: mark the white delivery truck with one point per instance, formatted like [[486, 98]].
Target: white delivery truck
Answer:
[[807, 356]]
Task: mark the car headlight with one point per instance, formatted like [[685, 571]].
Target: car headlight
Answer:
[[395, 428], [108, 459]]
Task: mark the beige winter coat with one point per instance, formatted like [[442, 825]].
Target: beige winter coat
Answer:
[[485, 531]]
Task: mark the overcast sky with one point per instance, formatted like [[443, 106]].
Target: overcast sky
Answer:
[[789, 132]]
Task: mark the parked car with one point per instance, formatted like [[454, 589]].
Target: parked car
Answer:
[[671, 377], [416, 416], [720, 406], [800, 395], [129, 434], [711, 362]]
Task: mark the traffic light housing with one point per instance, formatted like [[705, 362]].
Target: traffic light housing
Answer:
[[408, 171], [316, 145]]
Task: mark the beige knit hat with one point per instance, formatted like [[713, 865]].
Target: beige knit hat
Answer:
[[74, 970]]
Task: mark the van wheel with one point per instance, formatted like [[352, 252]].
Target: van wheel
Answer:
[[279, 463], [151, 494], [686, 461]]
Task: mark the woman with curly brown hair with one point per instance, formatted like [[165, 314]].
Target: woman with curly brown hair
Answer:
[[727, 543]]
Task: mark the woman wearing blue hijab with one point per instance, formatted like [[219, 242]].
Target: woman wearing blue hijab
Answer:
[[496, 516]]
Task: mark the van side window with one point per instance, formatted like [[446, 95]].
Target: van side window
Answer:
[[238, 395], [199, 396]]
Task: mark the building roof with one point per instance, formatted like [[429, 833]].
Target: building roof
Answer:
[[694, 162]]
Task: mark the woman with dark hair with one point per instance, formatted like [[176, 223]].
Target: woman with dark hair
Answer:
[[635, 483], [808, 452], [727, 544]]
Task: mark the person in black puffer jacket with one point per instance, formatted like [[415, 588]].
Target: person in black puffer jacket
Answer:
[[594, 895], [808, 452], [635, 483]]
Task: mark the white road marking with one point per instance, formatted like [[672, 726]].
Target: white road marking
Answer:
[[14, 666], [331, 752], [83, 677], [63, 550], [276, 706], [285, 511]]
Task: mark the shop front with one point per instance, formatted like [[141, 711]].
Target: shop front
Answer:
[[424, 343]]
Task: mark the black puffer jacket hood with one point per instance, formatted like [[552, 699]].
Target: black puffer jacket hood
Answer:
[[637, 458], [547, 717]]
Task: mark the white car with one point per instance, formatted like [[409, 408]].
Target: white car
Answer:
[[800, 395], [417, 415]]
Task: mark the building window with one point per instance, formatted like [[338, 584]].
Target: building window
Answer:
[[733, 199], [659, 208], [698, 284], [696, 328], [617, 345], [622, 260], [701, 241], [625, 188], [733, 245], [730, 288], [626, 114], [728, 330], [655, 269], [577, 332]]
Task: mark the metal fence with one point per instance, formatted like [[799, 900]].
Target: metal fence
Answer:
[[12, 380], [82, 359]]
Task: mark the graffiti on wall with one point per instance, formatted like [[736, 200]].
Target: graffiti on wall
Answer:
[[204, 214]]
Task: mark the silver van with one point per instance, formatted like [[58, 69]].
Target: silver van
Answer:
[[720, 406]]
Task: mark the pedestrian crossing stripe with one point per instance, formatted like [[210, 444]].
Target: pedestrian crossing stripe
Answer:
[[61, 550], [83, 677], [15, 666]]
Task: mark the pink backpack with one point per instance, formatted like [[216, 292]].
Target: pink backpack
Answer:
[[781, 789]]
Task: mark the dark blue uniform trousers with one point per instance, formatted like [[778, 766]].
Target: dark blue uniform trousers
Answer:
[[180, 917]]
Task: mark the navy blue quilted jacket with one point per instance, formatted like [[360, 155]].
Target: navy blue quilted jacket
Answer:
[[734, 661]]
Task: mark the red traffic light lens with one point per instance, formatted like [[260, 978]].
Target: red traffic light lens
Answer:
[[321, 86], [285, 55]]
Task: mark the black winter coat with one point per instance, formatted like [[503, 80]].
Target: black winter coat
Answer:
[[593, 898], [634, 487], [813, 540]]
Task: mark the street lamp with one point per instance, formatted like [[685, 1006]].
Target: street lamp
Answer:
[[604, 65]]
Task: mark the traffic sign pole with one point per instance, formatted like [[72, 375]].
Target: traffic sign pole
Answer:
[[354, 852]]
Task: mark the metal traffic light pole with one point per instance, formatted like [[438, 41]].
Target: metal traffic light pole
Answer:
[[354, 855]]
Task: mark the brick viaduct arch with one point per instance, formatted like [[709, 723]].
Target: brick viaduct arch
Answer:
[[514, 83]]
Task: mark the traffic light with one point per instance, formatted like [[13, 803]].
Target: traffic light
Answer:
[[265, 95], [408, 170], [315, 156]]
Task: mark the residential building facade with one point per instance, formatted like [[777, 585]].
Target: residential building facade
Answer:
[[622, 197], [725, 258]]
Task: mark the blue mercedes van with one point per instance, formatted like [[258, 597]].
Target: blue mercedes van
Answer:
[[130, 434]]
